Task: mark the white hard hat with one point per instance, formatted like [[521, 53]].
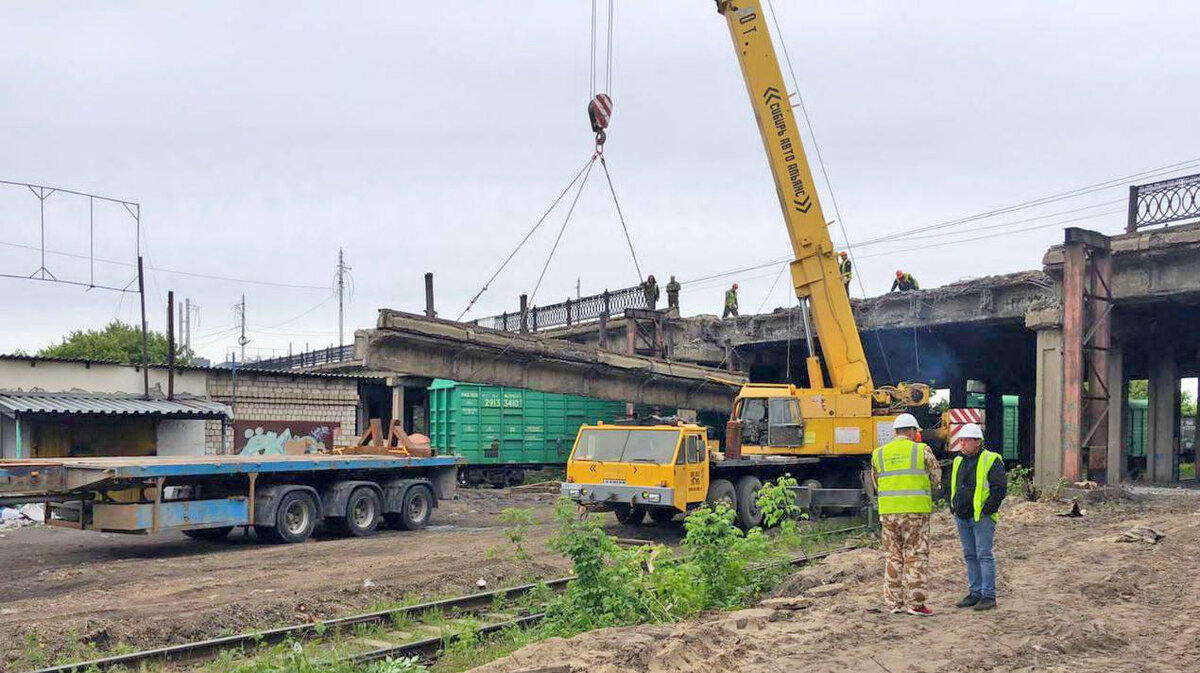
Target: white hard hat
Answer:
[[970, 431], [905, 421]]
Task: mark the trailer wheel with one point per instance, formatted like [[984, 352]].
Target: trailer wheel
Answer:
[[294, 520], [721, 490], [748, 513], [629, 515], [663, 515], [216, 533], [363, 509], [515, 477], [415, 510]]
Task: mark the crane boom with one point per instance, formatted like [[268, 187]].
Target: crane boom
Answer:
[[814, 270]]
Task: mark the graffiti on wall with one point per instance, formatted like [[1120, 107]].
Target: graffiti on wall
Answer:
[[282, 438]]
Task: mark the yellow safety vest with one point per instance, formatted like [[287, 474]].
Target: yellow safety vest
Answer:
[[982, 487], [904, 486]]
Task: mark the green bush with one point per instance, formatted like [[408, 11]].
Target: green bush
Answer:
[[518, 522], [1020, 480], [722, 554], [610, 588], [777, 501]]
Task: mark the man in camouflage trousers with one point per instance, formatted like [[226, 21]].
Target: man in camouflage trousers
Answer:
[[906, 474]]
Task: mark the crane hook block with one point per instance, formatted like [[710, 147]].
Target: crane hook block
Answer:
[[599, 111]]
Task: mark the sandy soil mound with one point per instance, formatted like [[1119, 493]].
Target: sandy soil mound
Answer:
[[1071, 599]]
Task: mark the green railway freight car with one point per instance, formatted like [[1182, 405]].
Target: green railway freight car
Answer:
[[502, 432], [1135, 428], [1010, 431]]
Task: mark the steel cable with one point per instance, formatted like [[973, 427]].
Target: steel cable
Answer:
[[637, 267], [526, 238]]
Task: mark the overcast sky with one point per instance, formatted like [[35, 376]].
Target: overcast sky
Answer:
[[260, 137]]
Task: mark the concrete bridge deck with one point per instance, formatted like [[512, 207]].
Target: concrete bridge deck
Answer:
[[414, 345]]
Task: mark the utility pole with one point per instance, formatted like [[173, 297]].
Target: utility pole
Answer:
[[578, 285], [342, 271], [171, 344], [145, 327], [240, 310], [186, 324]]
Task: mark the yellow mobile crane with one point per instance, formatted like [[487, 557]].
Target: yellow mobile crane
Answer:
[[849, 416], [823, 433]]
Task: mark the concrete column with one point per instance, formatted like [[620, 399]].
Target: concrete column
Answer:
[[1118, 405], [1196, 440], [1074, 268], [1162, 419], [1048, 401], [398, 404]]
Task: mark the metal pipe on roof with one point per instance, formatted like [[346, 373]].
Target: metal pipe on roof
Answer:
[[170, 344], [145, 337]]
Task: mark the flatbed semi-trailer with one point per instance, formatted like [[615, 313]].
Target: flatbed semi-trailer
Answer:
[[283, 497]]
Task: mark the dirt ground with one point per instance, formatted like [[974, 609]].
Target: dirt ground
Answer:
[[1070, 599], [67, 588]]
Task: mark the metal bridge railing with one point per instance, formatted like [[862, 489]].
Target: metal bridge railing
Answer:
[[1163, 202], [570, 312], [314, 358]]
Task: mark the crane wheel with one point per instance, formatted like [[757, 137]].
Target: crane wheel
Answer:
[[629, 515], [748, 513], [663, 515], [721, 490], [814, 511]]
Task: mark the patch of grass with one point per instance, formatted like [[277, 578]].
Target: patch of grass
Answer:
[[489, 649], [431, 617], [295, 657]]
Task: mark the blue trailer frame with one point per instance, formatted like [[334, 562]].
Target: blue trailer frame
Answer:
[[206, 496]]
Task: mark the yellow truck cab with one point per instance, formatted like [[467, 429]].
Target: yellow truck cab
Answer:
[[634, 469], [668, 469]]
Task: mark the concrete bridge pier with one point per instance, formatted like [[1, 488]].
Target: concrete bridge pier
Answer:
[[1117, 462], [1047, 422], [1162, 419]]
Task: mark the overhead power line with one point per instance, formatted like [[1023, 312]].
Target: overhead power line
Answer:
[[1069, 194], [931, 246], [193, 274], [1052, 198]]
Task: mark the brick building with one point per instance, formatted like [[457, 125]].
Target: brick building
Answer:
[[68, 407]]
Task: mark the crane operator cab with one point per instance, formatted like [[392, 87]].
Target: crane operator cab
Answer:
[[770, 418]]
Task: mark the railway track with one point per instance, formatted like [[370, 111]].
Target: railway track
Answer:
[[422, 639], [383, 634]]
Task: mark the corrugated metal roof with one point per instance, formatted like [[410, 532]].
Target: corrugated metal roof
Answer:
[[124, 405]]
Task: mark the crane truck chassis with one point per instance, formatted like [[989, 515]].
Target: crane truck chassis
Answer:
[[664, 470]]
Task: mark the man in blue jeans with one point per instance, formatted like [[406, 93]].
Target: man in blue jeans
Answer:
[[977, 487]]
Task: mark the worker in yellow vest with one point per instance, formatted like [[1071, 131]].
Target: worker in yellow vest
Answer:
[[906, 473], [978, 485]]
